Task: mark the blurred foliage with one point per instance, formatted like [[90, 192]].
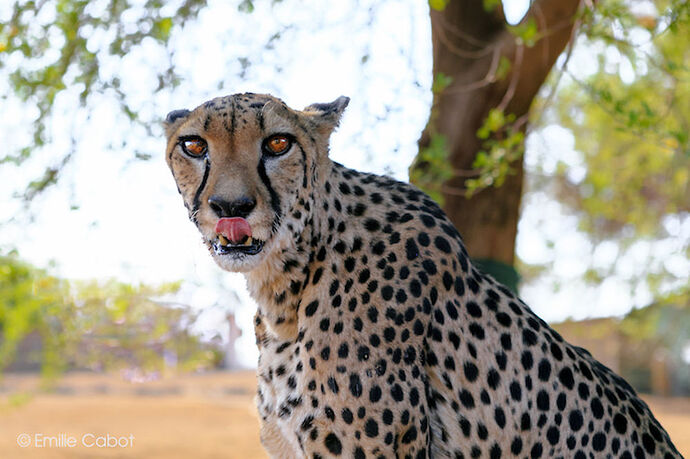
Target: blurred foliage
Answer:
[[504, 143], [630, 118], [633, 133], [650, 340], [54, 40], [435, 172], [666, 321], [434, 157], [104, 325], [58, 45], [438, 5]]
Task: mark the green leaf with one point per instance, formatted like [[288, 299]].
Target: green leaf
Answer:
[[504, 66], [161, 29], [491, 5], [247, 6], [527, 32], [441, 82], [438, 5]]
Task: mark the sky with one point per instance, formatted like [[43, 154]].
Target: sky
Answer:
[[113, 216]]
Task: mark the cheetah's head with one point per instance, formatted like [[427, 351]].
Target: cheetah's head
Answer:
[[245, 166]]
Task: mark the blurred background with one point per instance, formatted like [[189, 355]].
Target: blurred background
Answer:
[[554, 133]]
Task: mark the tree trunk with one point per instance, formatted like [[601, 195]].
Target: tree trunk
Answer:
[[468, 42]]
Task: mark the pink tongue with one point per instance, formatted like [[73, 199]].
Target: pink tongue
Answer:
[[235, 230]]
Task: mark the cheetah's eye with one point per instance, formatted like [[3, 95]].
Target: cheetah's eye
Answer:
[[277, 145], [194, 147]]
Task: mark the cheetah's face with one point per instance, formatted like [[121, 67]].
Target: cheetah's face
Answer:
[[243, 164]]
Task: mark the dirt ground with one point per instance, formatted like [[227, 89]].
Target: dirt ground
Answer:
[[191, 416]]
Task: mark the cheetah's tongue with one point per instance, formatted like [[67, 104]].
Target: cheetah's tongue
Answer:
[[236, 229]]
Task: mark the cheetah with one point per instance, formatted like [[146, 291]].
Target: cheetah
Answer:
[[377, 335]]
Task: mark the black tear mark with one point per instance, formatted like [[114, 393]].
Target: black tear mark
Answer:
[[275, 199], [172, 170], [195, 203]]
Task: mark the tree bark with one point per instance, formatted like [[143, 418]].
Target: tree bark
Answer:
[[468, 42]]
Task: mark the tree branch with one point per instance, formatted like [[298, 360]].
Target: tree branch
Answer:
[[471, 26], [555, 21]]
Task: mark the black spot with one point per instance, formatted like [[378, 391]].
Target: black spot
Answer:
[[363, 353], [428, 221], [447, 280], [410, 435], [307, 423], [379, 248], [442, 244], [371, 428], [355, 385], [493, 379], [516, 446], [565, 376], [375, 394], [500, 417], [411, 249], [597, 408], [543, 400], [476, 330], [544, 370], [553, 435], [473, 309], [528, 337], [429, 266], [311, 308], [397, 393], [372, 225], [471, 371], [495, 452], [466, 399], [503, 319], [333, 385], [536, 451], [333, 444], [350, 264], [648, 443], [575, 420], [515, 391], [599, 441]]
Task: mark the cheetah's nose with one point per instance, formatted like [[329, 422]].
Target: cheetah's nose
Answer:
[[241, 207]]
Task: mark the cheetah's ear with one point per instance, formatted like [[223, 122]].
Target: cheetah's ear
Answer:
[[173, 119], [328, 114]]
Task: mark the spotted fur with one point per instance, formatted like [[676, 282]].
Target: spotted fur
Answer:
[[377, 335]]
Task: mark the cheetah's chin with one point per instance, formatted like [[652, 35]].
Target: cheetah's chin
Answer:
[[249, 246]]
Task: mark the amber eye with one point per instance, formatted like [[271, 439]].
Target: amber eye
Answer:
[[277, 145], [194, 147]]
